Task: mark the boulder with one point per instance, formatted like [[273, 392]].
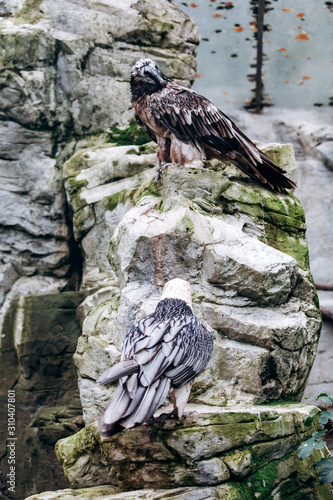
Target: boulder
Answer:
[[242, 247], [234, 452], [64, 77]]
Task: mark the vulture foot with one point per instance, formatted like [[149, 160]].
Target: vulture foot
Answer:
[[160, 170]]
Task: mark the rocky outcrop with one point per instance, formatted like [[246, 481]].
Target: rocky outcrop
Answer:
[[242, 247], [64, 84], [64, 74], [311, 132], [239, 452], [39, 336]]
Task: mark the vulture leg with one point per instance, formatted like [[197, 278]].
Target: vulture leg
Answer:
[[180, 397], [160, 170]]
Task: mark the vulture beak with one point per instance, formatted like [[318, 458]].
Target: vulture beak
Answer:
[[158, 77]]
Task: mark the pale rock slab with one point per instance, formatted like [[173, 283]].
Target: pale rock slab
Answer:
[[242, 248], [211, 453]]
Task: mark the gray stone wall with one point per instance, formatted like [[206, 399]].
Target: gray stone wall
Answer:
[[64, 84]]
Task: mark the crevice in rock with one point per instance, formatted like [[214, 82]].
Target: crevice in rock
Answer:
[[76, 259]]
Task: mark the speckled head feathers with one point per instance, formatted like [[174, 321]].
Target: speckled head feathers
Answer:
[[178, 289], [142, 64]]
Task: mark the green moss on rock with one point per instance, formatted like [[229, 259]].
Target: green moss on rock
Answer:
[[134, 134], [281, 217], [147, 188], [70, 449]]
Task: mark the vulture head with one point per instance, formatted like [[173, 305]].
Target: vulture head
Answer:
[[145, 74]]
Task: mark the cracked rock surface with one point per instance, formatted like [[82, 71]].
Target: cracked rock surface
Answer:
[[242, 248], [64, 76], [232, 453], [64, 86]]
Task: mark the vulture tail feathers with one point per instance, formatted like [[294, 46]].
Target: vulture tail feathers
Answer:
[[275, 176], [122, 369], [143, 409], [266, 172]]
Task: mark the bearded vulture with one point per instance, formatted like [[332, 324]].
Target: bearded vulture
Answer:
[[188, 127], [164, 350]]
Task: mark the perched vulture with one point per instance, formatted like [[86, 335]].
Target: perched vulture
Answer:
[[188, 127], [164, 350]]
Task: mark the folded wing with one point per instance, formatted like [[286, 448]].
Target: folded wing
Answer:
[[192, 117], [156, 354]]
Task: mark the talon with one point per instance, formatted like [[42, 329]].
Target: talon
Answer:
[[165, 415], [157, 177], [163, 166]]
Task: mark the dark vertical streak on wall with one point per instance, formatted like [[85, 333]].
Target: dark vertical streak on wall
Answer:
[[260, 28]]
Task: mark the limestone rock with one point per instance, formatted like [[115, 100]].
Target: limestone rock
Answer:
[[200, 454], [34, 227], [96, 182], [242, 247], [38, 337], [64, 73], [91, 50]]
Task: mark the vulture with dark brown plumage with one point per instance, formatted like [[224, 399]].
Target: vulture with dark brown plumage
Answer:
[[188, 127]]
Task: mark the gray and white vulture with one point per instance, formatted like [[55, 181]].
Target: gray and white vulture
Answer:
[[188, 127], [165, 350]]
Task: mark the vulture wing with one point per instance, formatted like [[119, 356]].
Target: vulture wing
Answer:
[[192, 117], [156, 354]]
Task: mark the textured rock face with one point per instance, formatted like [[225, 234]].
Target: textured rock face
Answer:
[[311, 133], [64, 83], [91, 49], [238, 453], [64, 73], [242, 247], [39, 335]]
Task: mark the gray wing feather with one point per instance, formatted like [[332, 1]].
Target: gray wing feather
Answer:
[[161, 354], [117, 407], [150, 371], [140, 392], [122, 369], [144, 356], [160, 396], [132, 385], [143, 409]]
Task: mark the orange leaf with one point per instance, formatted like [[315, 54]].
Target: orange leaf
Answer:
[[194, 5], [217, 15], [308, 57], [286, 81], [302, 36], [253, 29], [213, 0], [239, 29], [269, 41], [300, 14], [287, 10], [283, 50], [253, 23], [306, 77], [229, 3], [225, 93], [197, 75], [287, 55], [299, 27]]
